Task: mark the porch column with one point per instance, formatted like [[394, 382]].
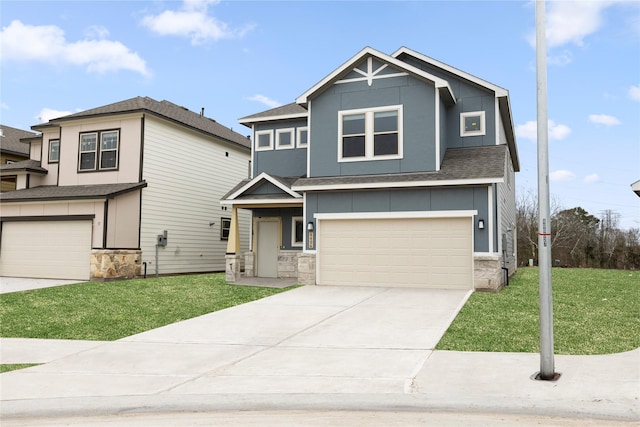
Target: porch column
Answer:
[[233, 244]]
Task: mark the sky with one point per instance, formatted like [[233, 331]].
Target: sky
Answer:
[[236, 58]]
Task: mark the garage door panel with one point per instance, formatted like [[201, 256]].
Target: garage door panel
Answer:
[[413, 252], [46, 249]]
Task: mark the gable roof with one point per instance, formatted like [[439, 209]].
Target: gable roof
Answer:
[[164, 109], [288, 111], [500, 93], [70, 192], [460, 166], [10, 140], [440, 84], [241, 193]]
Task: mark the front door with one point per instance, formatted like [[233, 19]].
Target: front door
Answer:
[[267, 264]]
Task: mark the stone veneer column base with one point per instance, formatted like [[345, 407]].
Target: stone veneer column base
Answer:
[[488, 274], [248, 264], [232, 267], [307, 269], [114, 264], [288, 264]]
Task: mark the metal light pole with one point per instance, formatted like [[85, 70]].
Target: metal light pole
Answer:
[[544, 221]]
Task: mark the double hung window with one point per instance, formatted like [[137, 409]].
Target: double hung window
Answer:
[[99, 150], [54, 150], [370, 134]]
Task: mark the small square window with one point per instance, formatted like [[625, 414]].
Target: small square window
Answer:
[[303, 137], [225, 226], [54, 150], [264, 140], [284, 139], [472, 123]]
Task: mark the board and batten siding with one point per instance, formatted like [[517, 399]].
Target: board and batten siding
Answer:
[[187, 174], [507, 231]]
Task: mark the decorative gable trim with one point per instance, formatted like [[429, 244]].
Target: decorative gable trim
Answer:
[[440, 84], [370, 75], [266, 177]]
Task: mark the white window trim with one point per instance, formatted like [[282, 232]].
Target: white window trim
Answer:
[[369, 123], [51, 142], [117, 151], [298, 137], [295, 244], [95, 152], [264, 132], [291, 132], [480, 132]]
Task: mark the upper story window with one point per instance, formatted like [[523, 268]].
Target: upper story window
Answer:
[[303, 137], [54, 150], [284, 139], [99, 150], [472, 123], [370, 134], [264, 140]]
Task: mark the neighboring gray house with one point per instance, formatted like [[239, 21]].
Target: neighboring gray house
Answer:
[[394, 170], [12, 149], [101, 185]]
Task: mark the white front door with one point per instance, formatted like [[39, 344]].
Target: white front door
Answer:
[[267, 264]]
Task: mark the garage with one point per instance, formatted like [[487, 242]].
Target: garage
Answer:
[[402, 252], [46, 249]]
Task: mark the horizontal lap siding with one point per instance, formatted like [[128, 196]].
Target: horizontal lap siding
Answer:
[[187, 174]]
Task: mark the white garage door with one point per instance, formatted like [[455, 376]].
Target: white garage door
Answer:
[[408, 252], [46, 249]]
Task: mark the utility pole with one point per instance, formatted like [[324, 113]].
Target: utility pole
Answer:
[[544, 221]]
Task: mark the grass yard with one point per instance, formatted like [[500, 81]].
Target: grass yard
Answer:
[[111, 310], [15, 367], [595, 312]]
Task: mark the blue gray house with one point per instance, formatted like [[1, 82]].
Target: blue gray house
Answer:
[[394, 170]]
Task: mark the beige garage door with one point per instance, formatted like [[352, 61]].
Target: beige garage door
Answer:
[[46, 249], [408, 252]]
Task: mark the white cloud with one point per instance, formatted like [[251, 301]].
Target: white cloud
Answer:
[[572, 21], [604, 119], [561, 175], [265, 100], [46, 43], [4, 105], [47, 114], [590, 179], [193, 22], [634, 93], [529, 130]]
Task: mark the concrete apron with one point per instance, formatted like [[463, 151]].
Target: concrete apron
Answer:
[[320, 347]]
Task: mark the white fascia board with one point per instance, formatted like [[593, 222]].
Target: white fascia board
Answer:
[[497, 89], [269, 178], [250, 121], [439, 83], [265, 202], [401, 184], [396, 215]]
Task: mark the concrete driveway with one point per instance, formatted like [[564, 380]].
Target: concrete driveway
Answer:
[[311, 339]]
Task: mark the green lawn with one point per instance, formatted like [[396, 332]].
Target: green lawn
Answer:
[[112, 310], [13, 367], [595, 312]]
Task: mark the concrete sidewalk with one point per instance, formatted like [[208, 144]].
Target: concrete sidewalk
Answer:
[[316, 348], [19, 284]]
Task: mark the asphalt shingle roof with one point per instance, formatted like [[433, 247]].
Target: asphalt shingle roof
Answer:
[[284, 110], [10, 140], [75, 192], [167, 110], [25, 165], [472, 163]]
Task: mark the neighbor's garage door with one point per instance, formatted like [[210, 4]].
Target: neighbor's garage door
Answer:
[[46, 249], [408, 252]]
